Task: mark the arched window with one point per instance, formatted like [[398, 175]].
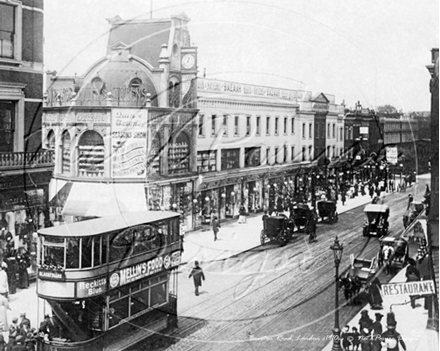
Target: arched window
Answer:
[[174, 94], [178, 154], [65, 152], [50, 140], [97, 85], [135, 83], [91, 155]]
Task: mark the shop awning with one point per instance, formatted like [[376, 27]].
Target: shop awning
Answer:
[[100, 200], [58, 192]]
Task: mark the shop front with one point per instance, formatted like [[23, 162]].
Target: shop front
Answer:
[[23, 210]]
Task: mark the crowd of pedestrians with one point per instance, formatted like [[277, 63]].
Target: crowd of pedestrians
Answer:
[[371, 335]]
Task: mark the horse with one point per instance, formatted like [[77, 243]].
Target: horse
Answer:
[[352, 288], [386, 255]]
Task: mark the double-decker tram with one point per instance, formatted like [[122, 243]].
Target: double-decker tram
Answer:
[[110, 282]]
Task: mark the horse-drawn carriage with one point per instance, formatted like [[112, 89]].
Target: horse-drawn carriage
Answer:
[[327, 210], [276, 228], [301, 215], [376, 221], [359, 275], [393, 253]]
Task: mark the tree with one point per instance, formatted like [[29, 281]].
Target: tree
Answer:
[[386, 109]]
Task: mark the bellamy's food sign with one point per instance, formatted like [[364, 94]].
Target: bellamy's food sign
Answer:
[[129, 143]]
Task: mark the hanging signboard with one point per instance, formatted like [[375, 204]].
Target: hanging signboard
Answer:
[[129, 143], [424, 287], [392, 155]]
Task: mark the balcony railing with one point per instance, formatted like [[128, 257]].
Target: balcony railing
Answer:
[[26, 160]]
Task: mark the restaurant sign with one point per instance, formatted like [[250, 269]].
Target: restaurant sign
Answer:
[[144, 269], [424, 287]]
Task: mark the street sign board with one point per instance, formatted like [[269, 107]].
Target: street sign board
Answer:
[[392, 155], [424, 287]]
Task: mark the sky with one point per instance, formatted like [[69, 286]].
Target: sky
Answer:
[[372, 51]]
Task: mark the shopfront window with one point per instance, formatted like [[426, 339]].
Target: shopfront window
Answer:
[[252, 156], [65, 153], [230, 159], [91, 155], [7, 125], [206, 161]]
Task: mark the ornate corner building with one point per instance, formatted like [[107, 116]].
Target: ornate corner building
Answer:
[[124, 134]]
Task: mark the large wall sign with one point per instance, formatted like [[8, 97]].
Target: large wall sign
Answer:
[[129, 143]]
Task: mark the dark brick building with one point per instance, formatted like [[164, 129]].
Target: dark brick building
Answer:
[[25, 170]]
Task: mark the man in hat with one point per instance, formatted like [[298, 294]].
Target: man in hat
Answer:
[[215, 227], [197, 274], [410, 200], [392, 338], [376, 344], [365, 321], [13, 332], [24, 321]]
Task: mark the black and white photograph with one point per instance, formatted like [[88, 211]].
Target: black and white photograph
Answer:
[[231, 175]]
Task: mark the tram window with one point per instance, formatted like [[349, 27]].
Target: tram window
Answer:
[[141, 241], [118, 311], [72, 253], [86, 254], [121, 245], [145, 284], [139, 301], [158, 294], [97, 251], [54, 256], [135, 288]]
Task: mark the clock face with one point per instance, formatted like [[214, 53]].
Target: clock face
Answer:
[[188, 61]]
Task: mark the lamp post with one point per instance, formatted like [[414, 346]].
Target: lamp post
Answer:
[[337, 249]]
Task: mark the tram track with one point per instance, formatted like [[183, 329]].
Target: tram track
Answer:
[[256, 305]]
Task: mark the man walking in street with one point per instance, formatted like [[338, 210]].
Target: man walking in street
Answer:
[[197, 275], [410, 200], [215, 227]]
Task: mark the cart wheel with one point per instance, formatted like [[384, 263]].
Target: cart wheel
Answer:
[[263, 237]]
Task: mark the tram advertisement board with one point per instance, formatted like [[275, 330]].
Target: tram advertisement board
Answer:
[[424, 287], [144, 269], [129, 143]]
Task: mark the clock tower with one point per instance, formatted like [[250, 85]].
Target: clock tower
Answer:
[[188, 67]]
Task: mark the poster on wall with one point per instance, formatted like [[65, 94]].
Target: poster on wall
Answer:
[[129, 143]]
